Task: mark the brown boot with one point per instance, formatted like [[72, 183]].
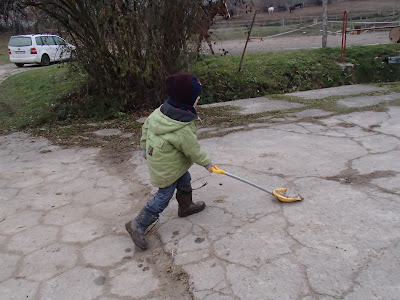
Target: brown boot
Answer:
[[186, 205], [138, 226]]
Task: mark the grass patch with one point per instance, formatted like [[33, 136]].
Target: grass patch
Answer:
[[32, 98], [46, 99], [292, 70]]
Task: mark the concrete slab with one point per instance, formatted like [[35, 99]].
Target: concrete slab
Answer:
[[130, 279], [379, 143], [15, 289], [33, 238], [345, 90], [256, 105], [391, 126], [8, 265], [370, 281], [62, 214], [108, 132], [261, 245], [268, 281], [141, 120], [18, 222], [65, 215], [78, 283], [367, 120], [384, 162], [107, 251], [309, 113], [362, 101], [93, 229], [389, 183], [61, 226], [59, 258]]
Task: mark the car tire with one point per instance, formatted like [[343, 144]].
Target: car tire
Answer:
[[73, 55], [45, 61], [19, 65]]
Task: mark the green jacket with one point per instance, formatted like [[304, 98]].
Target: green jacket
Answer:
[[171, 145]]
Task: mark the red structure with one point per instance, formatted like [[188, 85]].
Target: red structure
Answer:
[[394, 34], [344, 37]]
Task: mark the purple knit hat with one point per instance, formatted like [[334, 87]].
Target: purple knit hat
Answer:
[[184, 88]]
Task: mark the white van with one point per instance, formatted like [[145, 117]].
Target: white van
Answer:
[[38, 49]]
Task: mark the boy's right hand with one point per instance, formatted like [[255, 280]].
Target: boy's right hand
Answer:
[[210, 168]]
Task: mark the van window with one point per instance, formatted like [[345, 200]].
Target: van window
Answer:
[[20, 41], [59, 41], [48, 40], [39, 41]]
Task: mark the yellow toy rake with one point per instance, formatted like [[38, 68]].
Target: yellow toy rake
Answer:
[[278, 193]]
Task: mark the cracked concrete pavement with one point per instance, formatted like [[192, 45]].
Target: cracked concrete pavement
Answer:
[[62, 214]]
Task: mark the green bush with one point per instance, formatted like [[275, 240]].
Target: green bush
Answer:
[[127, 47]]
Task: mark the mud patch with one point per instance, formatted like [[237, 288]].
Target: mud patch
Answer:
[[199, 240], [346, 125], [357, 179], [219, 200], [100, 280], [115, 160]]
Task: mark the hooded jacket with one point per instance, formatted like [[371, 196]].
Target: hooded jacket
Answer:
[[169, 137]]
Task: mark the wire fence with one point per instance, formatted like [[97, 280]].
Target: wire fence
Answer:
[[300, 32], [300, 25]]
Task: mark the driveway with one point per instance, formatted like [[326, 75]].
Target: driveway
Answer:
[[62, 213]]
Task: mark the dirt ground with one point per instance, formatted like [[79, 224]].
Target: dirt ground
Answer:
[[354, 8], [295, 42], [7, 70]]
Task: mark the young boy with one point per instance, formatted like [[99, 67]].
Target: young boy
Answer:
[[170, 143]]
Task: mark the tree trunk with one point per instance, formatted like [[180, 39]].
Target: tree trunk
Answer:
[[324, 23]]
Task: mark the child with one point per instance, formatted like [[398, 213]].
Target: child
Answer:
[[170, 143]]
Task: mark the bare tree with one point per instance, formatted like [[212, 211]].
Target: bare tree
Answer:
[[6, 6], [127, 46], [11, 15]]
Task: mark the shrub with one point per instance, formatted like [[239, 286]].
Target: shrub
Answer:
[[126, 47]]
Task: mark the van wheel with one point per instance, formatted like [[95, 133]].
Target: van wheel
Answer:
[[19, 65], [45, 61]]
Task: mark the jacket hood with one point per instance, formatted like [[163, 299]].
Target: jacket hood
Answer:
[[161, 124], [182, 114]]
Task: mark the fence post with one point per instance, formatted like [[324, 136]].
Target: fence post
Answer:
[[248, 38], [324, 23]]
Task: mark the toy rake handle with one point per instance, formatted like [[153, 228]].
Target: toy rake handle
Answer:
[[220, 171]]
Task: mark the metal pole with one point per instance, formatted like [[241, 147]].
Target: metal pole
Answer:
[[344, 37], [248, 182], [248, 38], [325, 23]]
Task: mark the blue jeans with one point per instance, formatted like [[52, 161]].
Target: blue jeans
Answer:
[[161, 200]]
